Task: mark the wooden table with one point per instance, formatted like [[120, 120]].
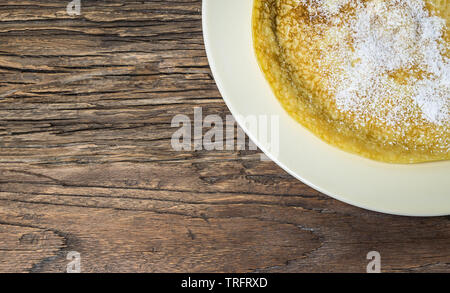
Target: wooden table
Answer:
[[86, 162]]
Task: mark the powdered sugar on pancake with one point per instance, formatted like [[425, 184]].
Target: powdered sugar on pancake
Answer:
[[388, 60]]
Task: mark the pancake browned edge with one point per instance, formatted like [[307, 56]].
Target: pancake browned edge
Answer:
[[308, 104]]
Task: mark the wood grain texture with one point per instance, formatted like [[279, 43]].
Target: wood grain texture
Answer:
[[86, 162]]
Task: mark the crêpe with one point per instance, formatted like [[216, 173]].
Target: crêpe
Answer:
[[368, 76]]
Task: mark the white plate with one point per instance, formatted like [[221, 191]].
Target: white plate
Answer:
[[415, 190]]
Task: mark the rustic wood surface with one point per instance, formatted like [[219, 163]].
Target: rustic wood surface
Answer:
[[86, 163]]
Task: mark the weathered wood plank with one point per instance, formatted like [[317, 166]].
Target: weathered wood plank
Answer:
[[86, 162]]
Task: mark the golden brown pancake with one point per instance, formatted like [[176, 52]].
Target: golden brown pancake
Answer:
[[371, 77]]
